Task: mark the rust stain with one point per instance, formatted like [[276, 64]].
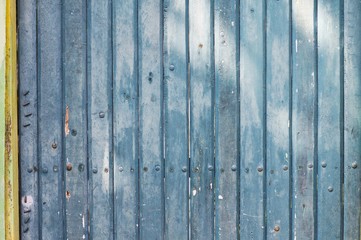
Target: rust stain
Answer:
[[67, 131], [67, 195]]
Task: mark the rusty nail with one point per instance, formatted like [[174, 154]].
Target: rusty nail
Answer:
[[101, 114], [120, 169], [210, 168], [54, 145], [277, 228], [234, 167], [69, 166], [171, 67], [184, 169], [285, 167], [330, 189], [95, 170], [323, 164], [157, 168], [354, 165], [260, 169], [310, 165]]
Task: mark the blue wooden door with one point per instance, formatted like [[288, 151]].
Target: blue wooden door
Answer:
[[190, 119]]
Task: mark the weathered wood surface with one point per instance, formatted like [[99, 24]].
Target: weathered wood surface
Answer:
[[187, 119]]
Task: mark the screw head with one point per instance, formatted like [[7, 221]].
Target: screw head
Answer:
[[157, 168], [196, 169], [276, 228], [285, 167], [120, 169], [45, 170], [260, 169], [171, 67], [95, 170], [81, 167], [55, 168], [54, 145], [210, 168], [246, 170], [74, 132], [330, 189], [184, 169], [354, 165], [324, 164], [310, 165], [101, 114], [234, 168], [30, 170]]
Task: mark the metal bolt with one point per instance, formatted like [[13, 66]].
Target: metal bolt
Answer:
[[210, 168], [184, 169], [171, 67], [330, 189], [120, 169], [324, 164], [106, 170], [260, 169], [30, 170], [234, 168], [45, 170], [285, 167], [354, 165], [276, 228], [55, 168], [196, 169], [73, 132], [310, 165], [95, 170], [54, 145], [157, 168], [81, 167], [101, 114], [69, 166]]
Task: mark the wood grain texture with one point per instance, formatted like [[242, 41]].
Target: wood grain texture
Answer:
[[352, 120], [100, 119], [176, 120], [304, 90], [74, 77], [201, 67], [329, 117], [252, 110], [226, 120], [150, 74], [28, 120], [278, 83], [125, 121]]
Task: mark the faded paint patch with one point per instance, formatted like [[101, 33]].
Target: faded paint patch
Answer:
[[67, 131]]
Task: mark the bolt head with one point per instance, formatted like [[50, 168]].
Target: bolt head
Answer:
[[120, 169], [324, 164], [184, 169], [157, 168], [285, 167], [95, 170], [354, 165], [171, 67], [210, 168], [310, 165], [276, 228], [260, 169], [234, 168], [101, 114], [330, 189]]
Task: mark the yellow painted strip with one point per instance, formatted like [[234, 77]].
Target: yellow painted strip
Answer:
[[2, 118], [11, 127]]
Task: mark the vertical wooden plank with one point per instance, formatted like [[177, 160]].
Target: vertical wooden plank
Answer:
[[2, 115], [150, 126], [252, 128], [74, 73], [278, 119], [352, 120], [11, 126], [50, 124], [125, 119], [303, 119], [201, 119], [329, 116], [100, 118], [176, 119], [226, 119], [28, 132]]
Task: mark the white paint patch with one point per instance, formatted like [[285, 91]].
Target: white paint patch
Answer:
[[296, 44], [27, 201], [194, 192], [220, 197]]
